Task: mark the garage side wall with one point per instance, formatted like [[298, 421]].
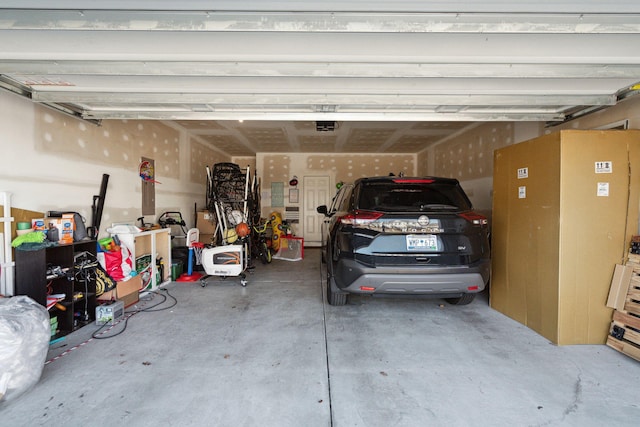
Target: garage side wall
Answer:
[[468, 156], [51, 161]]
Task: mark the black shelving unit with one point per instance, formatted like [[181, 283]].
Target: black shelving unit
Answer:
[[54, 270]]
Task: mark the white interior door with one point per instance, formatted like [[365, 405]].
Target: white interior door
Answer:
[[316, 193]]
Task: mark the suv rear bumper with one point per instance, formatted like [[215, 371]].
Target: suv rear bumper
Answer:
[[438, 281]]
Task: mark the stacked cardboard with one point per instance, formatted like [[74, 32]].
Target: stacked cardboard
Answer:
[[624, 297], [565, 206], [62, 228]]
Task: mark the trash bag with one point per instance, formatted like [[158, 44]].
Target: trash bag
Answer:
[[25, 331]]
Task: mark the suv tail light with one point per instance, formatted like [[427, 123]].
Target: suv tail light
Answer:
[[359, 217], [474, 218]]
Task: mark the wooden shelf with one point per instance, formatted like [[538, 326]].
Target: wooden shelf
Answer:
[[156, 243], [32, 280]]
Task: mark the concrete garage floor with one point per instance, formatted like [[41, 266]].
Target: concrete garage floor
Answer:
[[275, 354]]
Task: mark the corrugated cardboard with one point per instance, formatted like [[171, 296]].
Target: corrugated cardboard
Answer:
[[205, 222], [555, 240], [65, 226], [126, 291], [619, 286], [19, 215], [207, 239]]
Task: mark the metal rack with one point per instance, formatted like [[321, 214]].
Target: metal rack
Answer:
[[229, 197]]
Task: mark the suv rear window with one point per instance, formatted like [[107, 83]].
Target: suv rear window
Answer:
[[390, 196]]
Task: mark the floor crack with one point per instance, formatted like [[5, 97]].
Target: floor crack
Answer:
[[326, 345]]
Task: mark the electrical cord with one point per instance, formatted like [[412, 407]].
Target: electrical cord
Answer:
[[173, 304], [128, 314], [97, 334], [83, 274]]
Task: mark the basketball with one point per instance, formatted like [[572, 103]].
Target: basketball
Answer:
[[242, 229]]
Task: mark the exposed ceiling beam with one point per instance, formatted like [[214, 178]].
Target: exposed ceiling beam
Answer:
[[344, 22], [317, 69], [466, 6], [308, 98], [353, 48], [286, 114]]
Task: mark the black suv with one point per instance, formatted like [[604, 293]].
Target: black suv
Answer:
[[404, 236]]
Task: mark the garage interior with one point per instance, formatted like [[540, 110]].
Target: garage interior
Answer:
[[294, 89]]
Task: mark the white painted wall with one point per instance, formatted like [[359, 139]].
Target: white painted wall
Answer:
[[44, 180]]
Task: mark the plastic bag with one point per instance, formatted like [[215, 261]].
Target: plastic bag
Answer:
[[118, 264], [25, 331]]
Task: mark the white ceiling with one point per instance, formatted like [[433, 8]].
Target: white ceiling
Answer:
[[399, 74]]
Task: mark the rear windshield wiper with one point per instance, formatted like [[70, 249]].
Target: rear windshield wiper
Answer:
[[437, 206]]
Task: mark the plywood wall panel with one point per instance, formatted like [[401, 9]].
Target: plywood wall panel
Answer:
[[201, 157], [470, 155], [120, 143]]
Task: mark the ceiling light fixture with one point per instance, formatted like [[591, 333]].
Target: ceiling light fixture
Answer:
[[325, 126]]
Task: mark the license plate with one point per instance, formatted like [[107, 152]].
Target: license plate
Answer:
[[422, 242]]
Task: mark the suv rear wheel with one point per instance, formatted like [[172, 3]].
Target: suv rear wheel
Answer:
[[463, 300], [335, 297]]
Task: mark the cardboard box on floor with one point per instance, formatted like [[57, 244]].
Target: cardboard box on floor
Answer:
[[565, 206], [125, 291]]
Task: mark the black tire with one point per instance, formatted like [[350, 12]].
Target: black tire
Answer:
[[463, 300], [334, 297], [265, 253], [262, 253]]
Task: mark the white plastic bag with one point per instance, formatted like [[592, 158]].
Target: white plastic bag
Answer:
[[25, 331]]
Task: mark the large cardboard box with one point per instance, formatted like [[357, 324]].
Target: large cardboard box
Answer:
[[205, 222], [565, 206], [207, 239], [125, 291]]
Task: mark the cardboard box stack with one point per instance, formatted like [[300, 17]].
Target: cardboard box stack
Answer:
[[624, 297], [63, 227], [565, 206]]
